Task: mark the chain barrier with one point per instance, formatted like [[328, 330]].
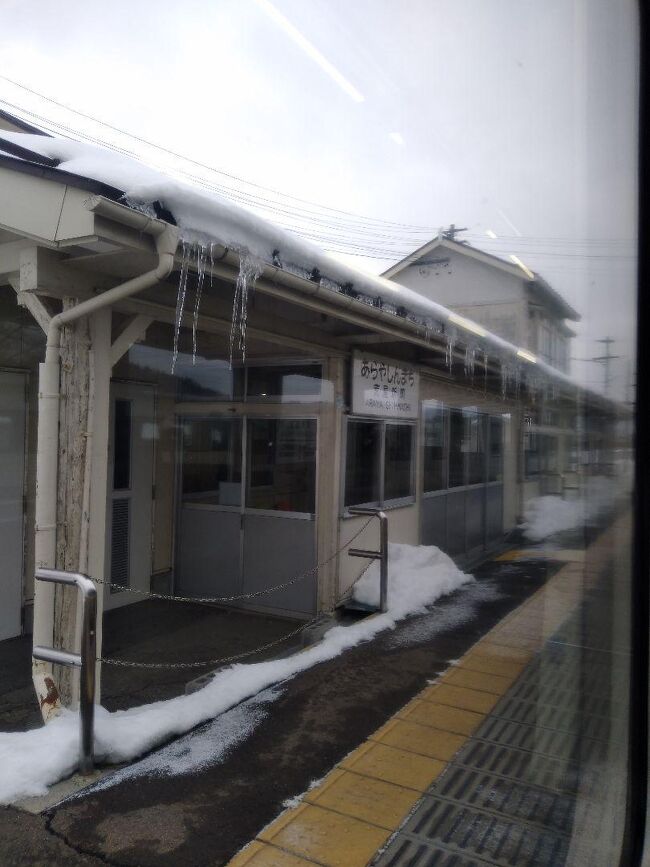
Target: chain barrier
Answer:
[[206, 600], [125, 663]]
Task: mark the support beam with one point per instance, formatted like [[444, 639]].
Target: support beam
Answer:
[[366, 339], [32, 303], [73, 442], [134, 331], [216, 325], [42, 271]]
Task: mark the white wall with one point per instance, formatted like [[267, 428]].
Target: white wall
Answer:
[[481, 292]]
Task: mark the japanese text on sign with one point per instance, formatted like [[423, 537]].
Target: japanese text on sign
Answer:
[[384, 388]]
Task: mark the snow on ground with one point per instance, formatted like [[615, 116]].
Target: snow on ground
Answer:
[[545, 516], [33, 760], [201, 748]]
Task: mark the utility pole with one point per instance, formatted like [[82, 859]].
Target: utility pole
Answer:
[[605, 360]]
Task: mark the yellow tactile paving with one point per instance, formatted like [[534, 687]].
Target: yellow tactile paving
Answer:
[[518, 641], [461, 697], [262, 855], [351, 814], [506, 652], [487, 663], [493, 683], [394, 765], [416, 738], [507, 556], [373, 801], [439, 716], [325, 837]]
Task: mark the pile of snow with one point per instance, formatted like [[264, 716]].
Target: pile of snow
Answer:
[[548, 515], [416, 577], [31, 761], [545, 516]]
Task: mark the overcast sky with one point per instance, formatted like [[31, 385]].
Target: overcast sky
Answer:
[[514, 116]]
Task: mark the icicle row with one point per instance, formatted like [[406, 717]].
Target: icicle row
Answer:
[[201, 257], [250, 269], [180, 299]]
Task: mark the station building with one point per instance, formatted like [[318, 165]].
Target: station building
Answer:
[[228, 395]]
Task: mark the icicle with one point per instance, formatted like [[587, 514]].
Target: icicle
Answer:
[[250, 269], [504, 379], [201, 257], [180, 299], [470, 360], [451, 342]]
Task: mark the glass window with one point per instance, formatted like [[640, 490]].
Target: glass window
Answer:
[[457, 448], [290, 382], [212, 461], [398, 475], [495, 465], [362, 481], [475, 439], [531, 454], [208, 379], [434, 458], [282, 465], [122, 445]]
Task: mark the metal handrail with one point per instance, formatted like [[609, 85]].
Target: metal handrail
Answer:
[[381, 555], [85, 660]]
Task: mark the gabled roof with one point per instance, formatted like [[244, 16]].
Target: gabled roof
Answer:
[[537, 285], [21, 125], [203, 216]]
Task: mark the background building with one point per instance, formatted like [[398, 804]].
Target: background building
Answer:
[[522, 308]]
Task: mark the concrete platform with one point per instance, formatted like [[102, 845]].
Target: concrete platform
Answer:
[[502, 761], [327, 767], [148, 631]]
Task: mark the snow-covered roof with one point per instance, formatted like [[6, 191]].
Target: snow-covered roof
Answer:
[[206, 217], [538, 284]]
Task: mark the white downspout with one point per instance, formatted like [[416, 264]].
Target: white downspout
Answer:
[[47, 450]]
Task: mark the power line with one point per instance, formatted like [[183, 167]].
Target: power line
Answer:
[[324, 209], [327, 227]]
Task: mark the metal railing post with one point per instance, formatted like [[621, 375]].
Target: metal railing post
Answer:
[[383, 561], [84, 661], [381, 555]]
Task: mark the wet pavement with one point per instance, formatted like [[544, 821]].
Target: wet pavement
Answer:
[[200, 799], [149, 631]]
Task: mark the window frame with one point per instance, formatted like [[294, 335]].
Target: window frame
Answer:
[[444, 408], [272, 399], [381, 503], [485, 415]]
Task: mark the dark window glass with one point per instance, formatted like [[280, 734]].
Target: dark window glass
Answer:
[[291, 381], [457, 448], [476, 451], [212, 461], [208, 379], [122, 445], [398, 475], [362, 462], [282, 465], [434, 463], [531, 454], [495, 466]]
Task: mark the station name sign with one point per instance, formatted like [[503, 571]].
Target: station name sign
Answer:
[[389, 389]]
